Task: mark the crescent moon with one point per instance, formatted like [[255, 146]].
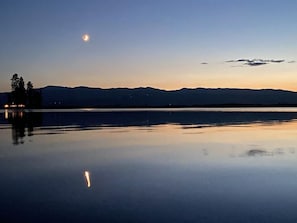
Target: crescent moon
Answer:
[[85, 37]]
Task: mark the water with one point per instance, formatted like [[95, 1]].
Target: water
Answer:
[[171, 165]]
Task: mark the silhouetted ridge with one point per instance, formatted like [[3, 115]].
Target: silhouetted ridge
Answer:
[[65, 97]]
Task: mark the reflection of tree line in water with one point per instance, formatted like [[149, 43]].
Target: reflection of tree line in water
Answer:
[[24, 121], [22, 124]]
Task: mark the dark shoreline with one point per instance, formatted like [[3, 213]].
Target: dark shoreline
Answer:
[[181, 106]]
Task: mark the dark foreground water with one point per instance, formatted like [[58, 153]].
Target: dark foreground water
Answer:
[[181, 165]]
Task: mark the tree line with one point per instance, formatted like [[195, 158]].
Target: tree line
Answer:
[[21, 95]]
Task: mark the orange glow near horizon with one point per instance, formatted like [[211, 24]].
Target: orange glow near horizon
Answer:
[[230, 82], [290, 86], [209, 76], [221, 76]]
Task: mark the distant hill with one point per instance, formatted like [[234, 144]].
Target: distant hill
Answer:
[[64, 97]]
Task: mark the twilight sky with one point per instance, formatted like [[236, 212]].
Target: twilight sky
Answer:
[[168, 44]]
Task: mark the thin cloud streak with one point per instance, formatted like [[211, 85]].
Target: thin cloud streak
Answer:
[[255, 62]]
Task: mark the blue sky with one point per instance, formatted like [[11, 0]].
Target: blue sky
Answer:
[[167, 44]]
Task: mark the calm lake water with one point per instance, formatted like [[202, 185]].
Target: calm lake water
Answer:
[[157, 165]]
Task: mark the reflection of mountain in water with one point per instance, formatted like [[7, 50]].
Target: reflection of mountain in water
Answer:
[[23, 123], [151, 118], [85, 119]]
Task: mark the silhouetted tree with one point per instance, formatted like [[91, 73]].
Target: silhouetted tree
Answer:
[[19, 95], [30, 94], [33, 96], [20, 92], [29, 86], [14, 82], [14, 85]]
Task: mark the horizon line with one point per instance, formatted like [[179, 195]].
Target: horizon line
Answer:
[[156, 88]]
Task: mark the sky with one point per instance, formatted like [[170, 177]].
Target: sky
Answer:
[[167, 44]]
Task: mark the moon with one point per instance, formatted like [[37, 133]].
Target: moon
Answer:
[[86, 37]]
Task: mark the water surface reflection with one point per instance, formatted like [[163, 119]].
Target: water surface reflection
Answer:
[[56, 122], [148, 166]]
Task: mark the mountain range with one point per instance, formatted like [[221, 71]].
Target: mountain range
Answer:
[[65, 97]]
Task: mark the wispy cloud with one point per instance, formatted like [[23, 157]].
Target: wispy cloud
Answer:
[[255, 62]]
